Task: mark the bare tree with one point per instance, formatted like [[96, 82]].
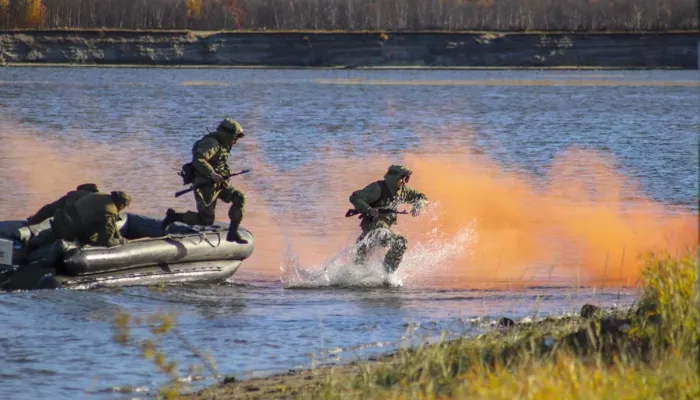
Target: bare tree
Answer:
[[494, 15]]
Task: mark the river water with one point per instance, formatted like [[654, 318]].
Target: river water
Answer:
[[545, 187]]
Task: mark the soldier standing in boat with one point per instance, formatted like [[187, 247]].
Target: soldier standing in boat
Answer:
[[209, 166], [378, 203]]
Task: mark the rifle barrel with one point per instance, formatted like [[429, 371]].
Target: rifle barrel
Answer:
[[351, 212]]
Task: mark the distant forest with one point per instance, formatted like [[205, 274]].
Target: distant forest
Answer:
[[353, 15]]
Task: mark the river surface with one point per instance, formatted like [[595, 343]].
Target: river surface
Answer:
[[544, 188]]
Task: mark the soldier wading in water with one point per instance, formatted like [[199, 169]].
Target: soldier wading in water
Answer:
[[209, 167], [378, 203]]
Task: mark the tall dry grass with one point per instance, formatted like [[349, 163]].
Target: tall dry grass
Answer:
[[648, 352]]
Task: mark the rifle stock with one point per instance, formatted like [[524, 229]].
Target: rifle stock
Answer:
[[201, 185]]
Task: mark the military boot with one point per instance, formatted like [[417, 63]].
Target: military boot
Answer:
[[170, 217], [234, 236], [235, 215]]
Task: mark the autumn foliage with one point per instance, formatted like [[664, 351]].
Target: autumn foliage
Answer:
[[22, 13], [393, 15], [193, 9]]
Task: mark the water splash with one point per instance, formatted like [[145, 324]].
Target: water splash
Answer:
[[339, 271], [432, 255], [437, 250]]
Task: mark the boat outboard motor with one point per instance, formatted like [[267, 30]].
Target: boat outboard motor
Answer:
[[25, 232], [38, 274], [30, 276]]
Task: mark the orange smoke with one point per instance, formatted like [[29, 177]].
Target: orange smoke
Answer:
[[43, 168], [584, 221]]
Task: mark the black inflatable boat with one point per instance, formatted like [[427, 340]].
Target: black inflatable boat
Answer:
[[184, 254]]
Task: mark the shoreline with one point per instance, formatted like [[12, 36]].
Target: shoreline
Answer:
[[303, 382], [344, 68], [650, 349], [371, 50]]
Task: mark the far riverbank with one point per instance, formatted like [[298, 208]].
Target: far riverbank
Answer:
[[449, 50]]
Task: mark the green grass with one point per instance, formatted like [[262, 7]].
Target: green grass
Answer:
[[649, 353]]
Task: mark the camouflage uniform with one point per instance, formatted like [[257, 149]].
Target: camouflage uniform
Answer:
[[377, 231], [94, 220], [58, 210], [69, 199], [210, 154]]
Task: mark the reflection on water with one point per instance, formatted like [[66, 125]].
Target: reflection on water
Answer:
[[544, 187]]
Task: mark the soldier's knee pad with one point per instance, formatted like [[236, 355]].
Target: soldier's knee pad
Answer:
[[238, 199], [235, 197]]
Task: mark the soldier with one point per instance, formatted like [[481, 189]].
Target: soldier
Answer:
[[94, 220], [209, 161], [376, 226], [59, 210], [69, 199]]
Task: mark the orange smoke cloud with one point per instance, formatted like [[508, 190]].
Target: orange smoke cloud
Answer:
[[43, 168], [583, 221]]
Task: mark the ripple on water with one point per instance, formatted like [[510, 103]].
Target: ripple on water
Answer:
[[314, 137]]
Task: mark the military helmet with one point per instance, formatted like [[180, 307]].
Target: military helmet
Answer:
[[399, 170], [230, 126], [88, 187], [121, 197]]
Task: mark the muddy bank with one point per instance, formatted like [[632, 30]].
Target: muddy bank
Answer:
[[352, 50]]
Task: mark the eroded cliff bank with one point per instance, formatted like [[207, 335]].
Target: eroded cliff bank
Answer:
[[345, 49]]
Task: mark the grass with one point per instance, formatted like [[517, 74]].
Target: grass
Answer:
[[645, 352], [651, 352], [159, 325]]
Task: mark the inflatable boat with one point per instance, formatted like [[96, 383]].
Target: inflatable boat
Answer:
[[184, 254]]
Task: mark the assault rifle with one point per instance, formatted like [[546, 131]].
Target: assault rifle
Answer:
[[205, 184], [351, 212]]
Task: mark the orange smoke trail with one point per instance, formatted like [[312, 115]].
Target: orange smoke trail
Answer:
[[44, 168], [585, 220], [586, 217], [306, 206]]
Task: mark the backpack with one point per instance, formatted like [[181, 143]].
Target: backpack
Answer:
[[187, 170]]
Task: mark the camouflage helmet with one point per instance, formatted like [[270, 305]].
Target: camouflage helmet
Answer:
[[88, 187], [400, 171], [231, 127], [121, 197]]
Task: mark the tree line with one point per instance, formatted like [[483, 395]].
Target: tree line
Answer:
[[353, 15]]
